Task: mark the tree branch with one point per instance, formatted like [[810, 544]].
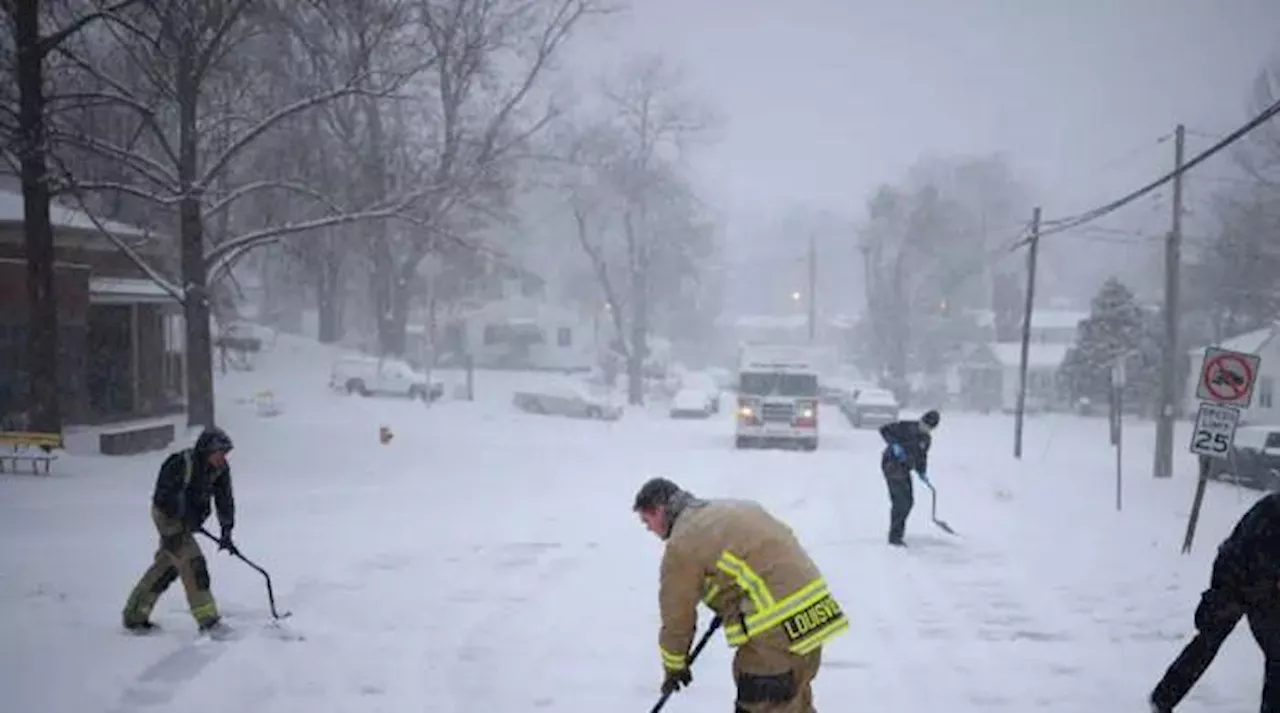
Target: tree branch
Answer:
[[248, 188], [238, 144], [49, 42]]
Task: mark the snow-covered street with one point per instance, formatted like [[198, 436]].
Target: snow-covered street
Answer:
[[487, 560]]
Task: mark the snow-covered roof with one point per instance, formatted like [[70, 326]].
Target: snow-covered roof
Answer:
[[11, 211], [126, 290], [1249, 342], [1039, 356], [1040, 318]]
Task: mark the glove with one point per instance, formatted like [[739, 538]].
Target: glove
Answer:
[[676, 679], [899, 453], [225, 542]]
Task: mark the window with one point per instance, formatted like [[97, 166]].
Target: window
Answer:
[[564, 337], [1266, 391]]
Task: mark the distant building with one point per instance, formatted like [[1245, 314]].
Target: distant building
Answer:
[[121, 336], [987, 378]]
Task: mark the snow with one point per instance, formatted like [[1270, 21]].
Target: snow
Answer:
[[1040, 318], [487, 560], [1249, 342], [12, 211], [1039, 356]]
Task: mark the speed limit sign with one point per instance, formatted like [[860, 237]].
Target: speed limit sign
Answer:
[[1215, 430]]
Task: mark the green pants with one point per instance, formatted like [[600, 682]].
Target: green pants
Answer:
[[177, 557]]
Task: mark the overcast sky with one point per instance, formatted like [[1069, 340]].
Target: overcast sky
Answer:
[[827, 98]]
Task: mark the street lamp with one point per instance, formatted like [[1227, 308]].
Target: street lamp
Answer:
[[795, 296]]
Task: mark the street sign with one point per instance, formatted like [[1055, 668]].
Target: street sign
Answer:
[[1215, 430], [1227, 377]]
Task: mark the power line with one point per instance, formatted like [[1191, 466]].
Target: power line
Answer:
[[1063, 224]]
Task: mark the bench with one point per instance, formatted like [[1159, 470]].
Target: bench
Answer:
[[28, 447]]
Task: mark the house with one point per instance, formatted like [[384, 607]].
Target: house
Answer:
[[1264, 410], [120, 335], [519, 327], [987, 377]]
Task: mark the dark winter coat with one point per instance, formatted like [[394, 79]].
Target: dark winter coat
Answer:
[[1246, 571], [187, 483], [913, 439]]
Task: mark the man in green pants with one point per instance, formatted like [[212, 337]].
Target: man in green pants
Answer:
[[188, 480]]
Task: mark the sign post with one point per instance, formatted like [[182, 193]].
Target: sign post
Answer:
[[1225, 388], [1117, 428]]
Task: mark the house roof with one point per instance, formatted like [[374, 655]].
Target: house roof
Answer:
[[1249, 342], [1039, 356], [1040, 318], [12, 212]]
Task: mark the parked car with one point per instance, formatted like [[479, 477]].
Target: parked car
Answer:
[[870, 406], [694, 403], [573, 400], [370, 376], [706, 384], [1254, 461]]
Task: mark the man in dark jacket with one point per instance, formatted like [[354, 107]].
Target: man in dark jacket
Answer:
[[188, 480], [906, 449], [1245, 582]]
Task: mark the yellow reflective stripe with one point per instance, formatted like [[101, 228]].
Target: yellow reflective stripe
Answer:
[[762, 621], [672, 661], [747, 579], [808, 645], [205, 611], [712, 589], [805, 597]]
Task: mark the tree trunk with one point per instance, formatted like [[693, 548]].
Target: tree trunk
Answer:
[[393, 318], [329, 299], [200, 404], [44, 411], [639, 347]]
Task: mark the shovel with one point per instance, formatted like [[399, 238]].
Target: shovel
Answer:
[[933, 511], [702, 643]]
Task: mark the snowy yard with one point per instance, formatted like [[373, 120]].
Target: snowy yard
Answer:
[[487, 561]]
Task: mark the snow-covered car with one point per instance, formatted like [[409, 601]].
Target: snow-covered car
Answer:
[[694, 403], [370, 376], [1254, 461], [567, 399], [870, 407], [706, 384]]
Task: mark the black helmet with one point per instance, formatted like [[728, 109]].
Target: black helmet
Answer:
[[930, 418], [213, 439], [656, 492]]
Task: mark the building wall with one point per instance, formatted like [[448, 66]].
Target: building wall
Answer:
[[71, 285]]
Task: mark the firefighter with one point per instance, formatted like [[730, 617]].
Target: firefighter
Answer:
[[188, 480], [906, 449], [1244, 583], [749, 568]]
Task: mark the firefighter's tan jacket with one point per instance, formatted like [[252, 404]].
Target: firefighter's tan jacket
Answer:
[[751, 570]]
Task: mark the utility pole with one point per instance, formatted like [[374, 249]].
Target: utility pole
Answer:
[[1026, 332], [1169, 363], [813, 287]]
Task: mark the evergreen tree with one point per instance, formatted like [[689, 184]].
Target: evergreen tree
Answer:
[[1117, 326]]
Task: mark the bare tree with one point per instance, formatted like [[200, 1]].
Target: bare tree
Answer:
[[475, 122], [182, 70], [633, 211], [24, 119]]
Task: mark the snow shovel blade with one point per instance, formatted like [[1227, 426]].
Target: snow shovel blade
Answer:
[[933, 513]]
